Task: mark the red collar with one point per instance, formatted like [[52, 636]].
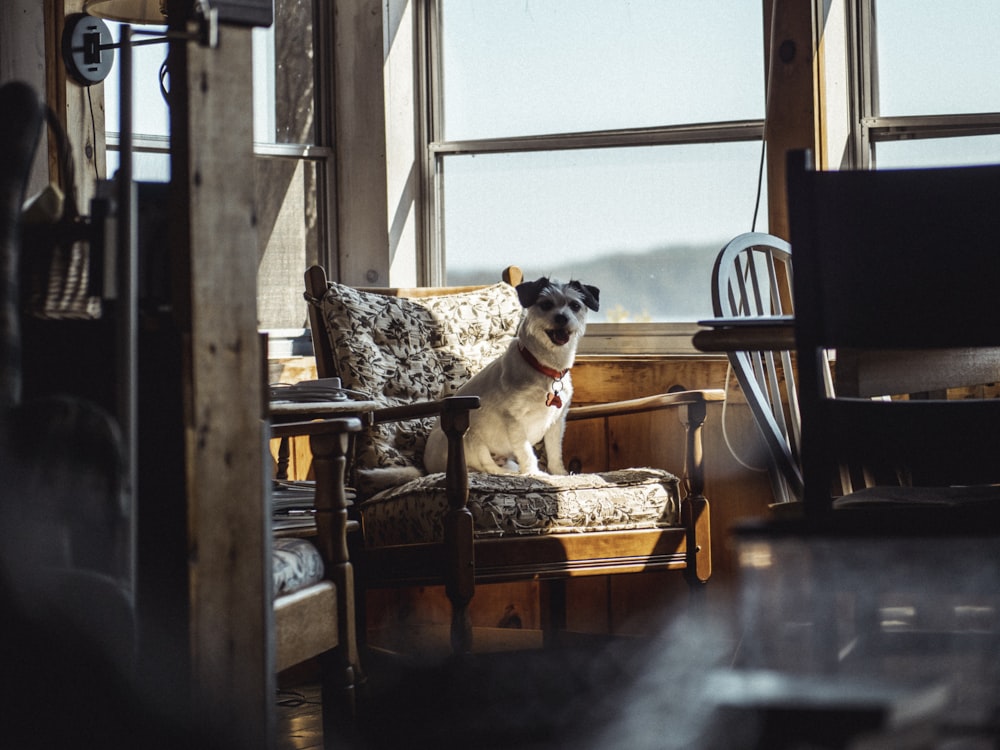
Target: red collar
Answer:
[[533, 361]]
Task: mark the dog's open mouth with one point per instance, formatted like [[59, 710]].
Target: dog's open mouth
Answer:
[[559, 336]]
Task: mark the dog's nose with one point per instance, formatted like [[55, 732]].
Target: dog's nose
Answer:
[[561, 320]]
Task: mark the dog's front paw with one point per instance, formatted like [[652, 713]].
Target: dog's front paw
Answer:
[[532, 470]]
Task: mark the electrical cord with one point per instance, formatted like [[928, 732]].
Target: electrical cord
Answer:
[[753, 228], [725, 433]]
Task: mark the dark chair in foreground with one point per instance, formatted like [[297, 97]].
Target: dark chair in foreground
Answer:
[[409, 350], [895, 271]]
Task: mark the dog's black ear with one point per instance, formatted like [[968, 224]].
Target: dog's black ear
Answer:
[[529, 291], [591, 294]]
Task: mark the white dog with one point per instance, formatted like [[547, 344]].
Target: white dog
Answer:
[[524, 393]]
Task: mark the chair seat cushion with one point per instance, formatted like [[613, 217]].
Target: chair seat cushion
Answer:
[[953, 497], [296, 563], [514, 505]]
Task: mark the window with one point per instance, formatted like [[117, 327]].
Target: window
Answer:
[[928, 94], [614, 142], [150, 114], [291, 146]]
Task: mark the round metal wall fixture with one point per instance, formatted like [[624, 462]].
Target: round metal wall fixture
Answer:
[[87, 48]]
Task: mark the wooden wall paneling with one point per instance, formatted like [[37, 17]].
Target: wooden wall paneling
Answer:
[[734, 491], [411, 619], [641, 603], [654, 439], [80, 108], [600, 379], [586, 442], [589, 604]]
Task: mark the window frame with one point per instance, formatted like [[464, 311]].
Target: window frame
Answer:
[[605, 339], [322, 153], [869, 128]]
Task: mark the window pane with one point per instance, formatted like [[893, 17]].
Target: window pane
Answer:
[[150, 114], [287, 238], [284, 76], [146, 166], [936, 57], [642, 224], [938, 152], [514, 68]]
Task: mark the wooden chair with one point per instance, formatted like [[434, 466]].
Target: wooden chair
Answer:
[[896, 271], [458, 550], [751, 280], [318, 621]]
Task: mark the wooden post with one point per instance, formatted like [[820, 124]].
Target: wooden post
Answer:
[[362, 202], [789, 61], [215, 264]]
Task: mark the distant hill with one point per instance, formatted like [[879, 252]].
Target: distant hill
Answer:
[[671, 283]]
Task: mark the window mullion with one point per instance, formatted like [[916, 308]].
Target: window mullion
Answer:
[[741, 130]]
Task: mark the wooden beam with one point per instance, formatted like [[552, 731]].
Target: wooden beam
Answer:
[[79, 108], [791, 123], [231, 619], [362, 200]]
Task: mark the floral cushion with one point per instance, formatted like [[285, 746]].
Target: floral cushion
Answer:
[[296, 563], [512, 505], [399, 350]]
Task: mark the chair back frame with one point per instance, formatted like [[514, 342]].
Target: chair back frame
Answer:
[[752, 278], [905, 262]]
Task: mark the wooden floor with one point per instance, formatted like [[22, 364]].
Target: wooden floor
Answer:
[[644, 694], [300, 725], [538, 700]]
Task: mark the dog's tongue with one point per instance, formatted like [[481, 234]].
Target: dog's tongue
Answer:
[[559, 336]]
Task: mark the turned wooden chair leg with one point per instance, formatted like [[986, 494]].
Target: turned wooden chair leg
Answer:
[[460, 565], [694, 509], [341, 665]]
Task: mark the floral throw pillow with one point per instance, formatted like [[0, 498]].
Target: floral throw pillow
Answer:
[[399, 350]]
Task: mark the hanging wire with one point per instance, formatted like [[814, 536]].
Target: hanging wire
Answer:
[[725, 433], [767, 112]]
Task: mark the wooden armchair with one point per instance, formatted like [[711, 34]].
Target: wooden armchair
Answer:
[[408, 350], [316, 619]]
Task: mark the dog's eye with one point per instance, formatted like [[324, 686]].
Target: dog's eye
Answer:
[[575, 306], [546, 304]]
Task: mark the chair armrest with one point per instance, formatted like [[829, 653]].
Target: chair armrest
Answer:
[[425, 409], [647, 403], [694, 405], [326, 426]]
